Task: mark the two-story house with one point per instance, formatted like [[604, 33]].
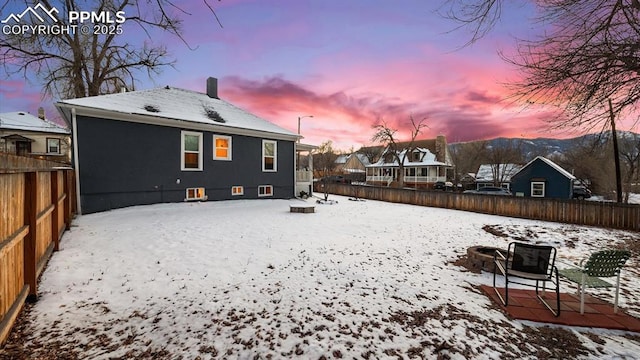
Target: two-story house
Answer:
[[425, 163]]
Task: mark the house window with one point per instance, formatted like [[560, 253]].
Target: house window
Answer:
[[265, 190], [195, 194], [416, 156], [237, 190], [191, 144], [53, 146], [537, 189], [221, 147], [269, 158]]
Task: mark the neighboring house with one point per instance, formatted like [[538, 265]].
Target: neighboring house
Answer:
[[171, 145], [339, 162], [495, 175], [27, 135], [352, 166], [542, 178], [426, 163]]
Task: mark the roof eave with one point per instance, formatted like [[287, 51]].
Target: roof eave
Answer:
[[65, 110]]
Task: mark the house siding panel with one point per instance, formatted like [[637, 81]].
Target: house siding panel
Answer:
[[126, 163], [556, 184]]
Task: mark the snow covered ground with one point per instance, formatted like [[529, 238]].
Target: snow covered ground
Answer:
[[248, 279]]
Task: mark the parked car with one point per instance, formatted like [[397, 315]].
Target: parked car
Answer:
[[489, 190], [581, 192], [443, 185]]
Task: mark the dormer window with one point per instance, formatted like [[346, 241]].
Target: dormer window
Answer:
[[416, 156]]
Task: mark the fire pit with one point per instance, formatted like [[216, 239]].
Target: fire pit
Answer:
[[482, 256]]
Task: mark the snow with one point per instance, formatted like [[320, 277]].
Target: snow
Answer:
[[177, 104], [239, 278], [20, 120]]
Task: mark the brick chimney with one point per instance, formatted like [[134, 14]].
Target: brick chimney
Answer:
[[441, 149], [212, 87], [41, 113]]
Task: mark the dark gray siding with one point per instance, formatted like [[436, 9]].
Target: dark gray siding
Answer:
[[556, 184], [124, 164]]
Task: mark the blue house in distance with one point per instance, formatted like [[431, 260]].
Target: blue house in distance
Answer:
[[173, 145], [542, 178]]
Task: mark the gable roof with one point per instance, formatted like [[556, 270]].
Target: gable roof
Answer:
[[21, 120], [485, 171], [427, 159], [555, 166], [174, 107]]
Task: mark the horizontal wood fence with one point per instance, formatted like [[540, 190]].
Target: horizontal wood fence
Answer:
[[592, 213], [37, 202]]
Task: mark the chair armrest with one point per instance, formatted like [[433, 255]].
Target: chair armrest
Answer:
[[499, 254]]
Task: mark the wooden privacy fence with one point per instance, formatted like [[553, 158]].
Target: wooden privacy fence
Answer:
[[593, 213], [37, 201]]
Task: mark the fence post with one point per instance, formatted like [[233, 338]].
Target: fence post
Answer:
[[30, 217], [55, 226], [68, 199]]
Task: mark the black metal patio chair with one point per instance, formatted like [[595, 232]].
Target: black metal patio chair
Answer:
[[527, 262]]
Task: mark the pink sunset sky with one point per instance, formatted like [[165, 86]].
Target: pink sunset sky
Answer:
[[350, 64]]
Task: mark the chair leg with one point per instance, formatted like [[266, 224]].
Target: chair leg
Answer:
[[504, 300], [615, 303], [555, 312], [581, 291]]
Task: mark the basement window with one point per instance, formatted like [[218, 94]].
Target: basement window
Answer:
[[195, 194], [237, 190], [265, 190]]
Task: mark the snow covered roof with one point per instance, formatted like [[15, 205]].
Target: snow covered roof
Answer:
[[342, 159], [485, 171], [427, 159], [557, 167], [363, 158], [21, 120], [173, 107]]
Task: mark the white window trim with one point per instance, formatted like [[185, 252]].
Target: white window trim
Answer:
[[265, 187], [59, 146], [187, 198], [544, 188], [239, 193], [275, 155], [228, 138], [182, 152]]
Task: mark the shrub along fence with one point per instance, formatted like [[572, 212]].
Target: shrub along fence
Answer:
[[37, 202], [593, 213]]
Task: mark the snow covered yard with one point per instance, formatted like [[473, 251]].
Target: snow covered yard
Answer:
[[247, 279]]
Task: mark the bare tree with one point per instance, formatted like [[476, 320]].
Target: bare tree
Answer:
[[588, 56], [92, 60], [468, 157], [629, 151], [502, 158], [325, 158], [387, 137]]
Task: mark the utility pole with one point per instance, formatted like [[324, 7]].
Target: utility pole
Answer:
[[616, 155]]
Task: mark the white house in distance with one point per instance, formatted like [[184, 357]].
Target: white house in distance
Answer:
[[27, 135], [496, 175], [426, 163]]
